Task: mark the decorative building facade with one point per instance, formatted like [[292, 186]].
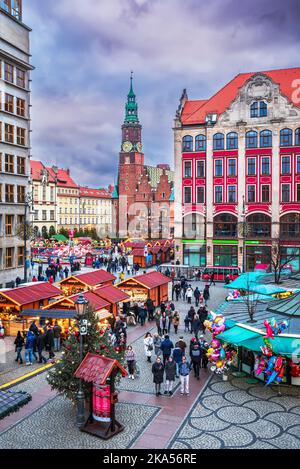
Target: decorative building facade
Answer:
[[237, 172], [96, 210], [15, 71], [143, 198]]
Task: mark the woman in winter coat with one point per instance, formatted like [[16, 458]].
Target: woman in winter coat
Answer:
[[148, 346], [157, 344], [130, 357], [158, 375], [170, 370], [164, 323], [176, 321], [19, 342], [196, 325]]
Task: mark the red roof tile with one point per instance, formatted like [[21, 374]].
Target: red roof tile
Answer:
[[95, 278], [36, 168], [151, 280], [96, 193], [137, 252], [96, 368], [195, 112], [63, 176], [32, 293], [95, 300], [111, 294]]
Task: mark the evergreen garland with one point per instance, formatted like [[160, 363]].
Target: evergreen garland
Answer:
[[98, 340]]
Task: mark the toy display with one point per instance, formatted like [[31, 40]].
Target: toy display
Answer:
[[233, 295], [215, 323], [273, 328]]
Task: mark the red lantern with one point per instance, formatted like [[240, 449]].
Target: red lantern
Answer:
[[101, 403]]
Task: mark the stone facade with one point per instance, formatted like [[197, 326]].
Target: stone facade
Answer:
[[15, 71]]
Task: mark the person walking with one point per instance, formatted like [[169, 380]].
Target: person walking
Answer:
[[196, 325], [143, 314], [29, 347], [158, 375], [157, 344], [157, 317], [196, 355], [204, 348], [206, 294], [57, 333], [191, 315], [177, 290], [148, 346], [170, 370], [181, 343], [186, 323], [197, 296], [40, 343], [177, 355], [166, 348], [164, 323], [184, 373], [130, 357], [176, 321], [189, 294], [169, 313], [49, 342], [212, 279], [163, 307], [19, 343], [150, 309]]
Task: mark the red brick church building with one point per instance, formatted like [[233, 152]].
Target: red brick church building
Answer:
[[144, 196]]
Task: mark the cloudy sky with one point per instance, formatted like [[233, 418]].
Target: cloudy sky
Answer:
[[84, 50]]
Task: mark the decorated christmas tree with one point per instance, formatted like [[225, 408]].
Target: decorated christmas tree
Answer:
[[98, 340]]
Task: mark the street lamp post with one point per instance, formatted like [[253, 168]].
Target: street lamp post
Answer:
[[81, 304], [28, 203], [244, 232]]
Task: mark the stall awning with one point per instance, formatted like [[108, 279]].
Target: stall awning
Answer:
[[50, 314], [268, 289], [281, 345], [245, 281], [237, 335]]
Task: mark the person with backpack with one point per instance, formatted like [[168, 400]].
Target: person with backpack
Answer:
[[196, 356]]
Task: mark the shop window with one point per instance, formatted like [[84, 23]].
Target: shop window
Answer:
[[194, 255], [265, 138], [187, 143], [290, 226], [226, 256], [232, 141], [286, 137], [218, 141], [200, 142], [259, 226], [193, 226], [225, 226], [257, 255], [251, 139]]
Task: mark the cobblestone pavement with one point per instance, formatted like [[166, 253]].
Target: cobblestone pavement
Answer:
[[53, 427], [236, 414]]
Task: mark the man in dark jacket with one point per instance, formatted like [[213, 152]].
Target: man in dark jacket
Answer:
[[29, 347], [49, 342], [177, 355], [197, 296], [170, 370], [196, 355], [150, 309], [196, 325], [177, 290], [57, 332], [40, 342], [166, 348]]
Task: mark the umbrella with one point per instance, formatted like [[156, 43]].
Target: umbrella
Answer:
[[267, 289], [245, 281]]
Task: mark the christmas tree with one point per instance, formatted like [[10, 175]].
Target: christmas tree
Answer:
[[98, 340]]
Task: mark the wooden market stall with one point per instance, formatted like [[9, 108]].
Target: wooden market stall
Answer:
[[113, 295], [153, 285], [13, 302], [89, 281]]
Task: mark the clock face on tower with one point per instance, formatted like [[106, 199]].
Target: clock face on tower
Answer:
[[139, 147], [127, 146]]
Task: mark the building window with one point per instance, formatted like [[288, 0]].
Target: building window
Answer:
[[251, 139], [9, 221], [298, 164], [21, 107], [265, 138], [9, 103], [21, 194], [200, 195], [225, 226], [9, 254], [265, 193], [8, 72], [218, 194], [36, 215], [286, 137], [194, 255], [218, 142], [21, 165], [21, 136], [9, 163], [226, 256], [298, 193], [9, 193], [44, 194], [200, 169], [263, 109], [232, 141], [290, 226], [285, 165], [187, 195], [44, 215], [232, 167], [200, 142], [285, 192], [297, 136], [251, 193], [218, 167], [265, 166], [21, 75], [251, 166], [20, 256], [187, 143], [51, 194], [187, 169], [9, 133], [254, 109], [259, 226], [259, 109], [232, 194]]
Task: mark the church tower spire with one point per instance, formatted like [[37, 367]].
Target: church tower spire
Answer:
[[131, 108], [131, 129]]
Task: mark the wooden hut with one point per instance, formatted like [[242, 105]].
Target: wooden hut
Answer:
[[89, 281], [152, 285]]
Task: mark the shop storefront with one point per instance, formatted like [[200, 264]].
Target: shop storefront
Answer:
[[225, 255], [257, 254], [194, 255], [291, 255]]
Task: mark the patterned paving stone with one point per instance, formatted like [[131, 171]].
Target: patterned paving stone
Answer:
[[208, 423], [285, 420], [230, 414], [286, 441], [263, 429], [201, 411], [264, 407], [44, 430], [204, 441], [237, 396], [234, 437], [286, 401], [294, 430], [214, 402]]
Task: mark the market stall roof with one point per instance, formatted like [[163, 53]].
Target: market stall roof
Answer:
[[92, 278], [289, 306], [139, 252], [238, 334], [37, 292], [97, 302], [96, 369], [151, 280], [60, 237], [111, 294], [245, 281], [49, 314], [254, 297], [155, 249], [268, 289]]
